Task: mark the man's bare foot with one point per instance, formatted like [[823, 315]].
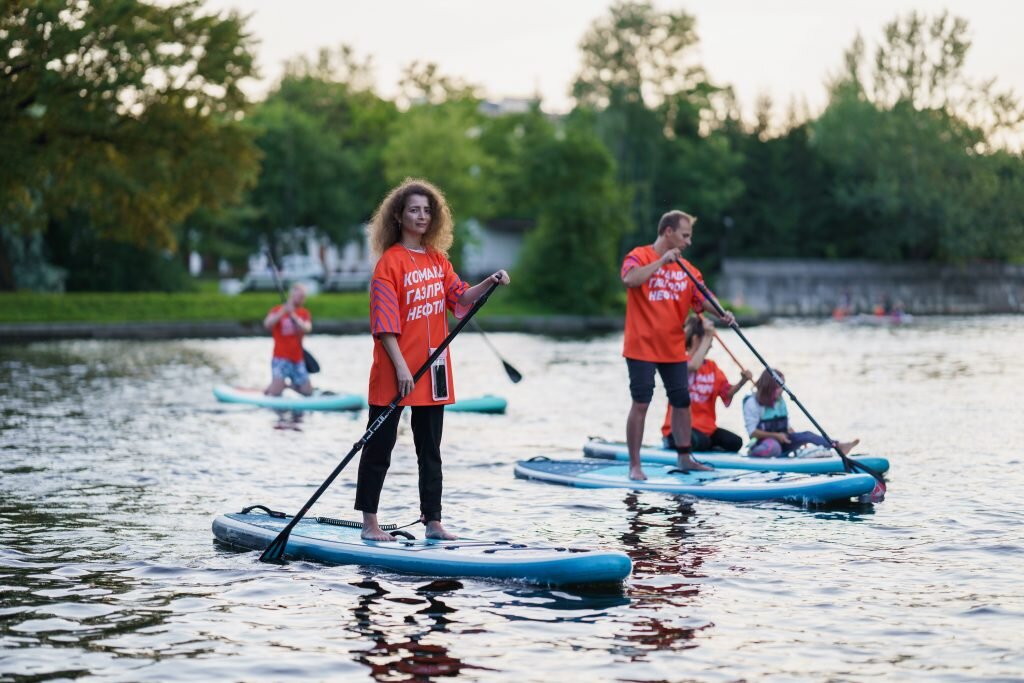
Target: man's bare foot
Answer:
[[436, 531], [636, 473], [687, 463], [847, 446]]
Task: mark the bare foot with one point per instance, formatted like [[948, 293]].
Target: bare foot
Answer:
[[637, 473], [847, 446], [436, 531], [687, 463], [374, 533]]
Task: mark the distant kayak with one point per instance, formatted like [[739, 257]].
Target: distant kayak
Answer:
[[811, 460], [325, 541], [289, 400], [729, 485], [479, 404]]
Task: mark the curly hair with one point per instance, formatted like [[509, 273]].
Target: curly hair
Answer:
[[386, 224]]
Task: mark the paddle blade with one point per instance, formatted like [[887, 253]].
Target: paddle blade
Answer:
[[312, 367], [512, 373], [274, 552], [878, 493]]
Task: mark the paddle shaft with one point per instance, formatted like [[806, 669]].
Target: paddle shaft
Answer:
[[513, 374], [731, 355], [848, 464], [275, 551]]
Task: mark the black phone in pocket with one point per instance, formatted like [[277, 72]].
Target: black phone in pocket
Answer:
[[439, 377]]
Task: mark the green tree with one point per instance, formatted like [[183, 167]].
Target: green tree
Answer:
[[570, 260], [510, 141], [657, 113], [911, 150], [121, 112], [439, 140], [321, 133]]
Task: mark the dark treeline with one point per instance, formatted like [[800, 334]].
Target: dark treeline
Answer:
[[125, 143]]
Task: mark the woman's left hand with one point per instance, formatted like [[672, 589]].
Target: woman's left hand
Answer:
[[500, 278]]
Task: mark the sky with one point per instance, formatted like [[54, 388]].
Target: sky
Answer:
[[783, 48]]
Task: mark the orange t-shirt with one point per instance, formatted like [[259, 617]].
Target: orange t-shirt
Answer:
[[706, 384], [288, 335], [656, 310], [409, 295]]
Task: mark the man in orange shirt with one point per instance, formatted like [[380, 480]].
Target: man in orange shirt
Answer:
[[659, 298], [289, 323]]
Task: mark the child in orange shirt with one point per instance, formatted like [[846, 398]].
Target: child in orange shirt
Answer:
[[707, 384], [413, 287]]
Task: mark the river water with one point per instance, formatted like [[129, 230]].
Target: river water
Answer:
[[115, 458]]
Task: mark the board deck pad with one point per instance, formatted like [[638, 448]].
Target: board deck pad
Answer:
[[500, 559]]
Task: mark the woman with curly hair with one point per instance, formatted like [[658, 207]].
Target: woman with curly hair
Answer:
[[413, 287]]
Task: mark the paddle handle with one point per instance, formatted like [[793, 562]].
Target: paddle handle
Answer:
[[275, 550]]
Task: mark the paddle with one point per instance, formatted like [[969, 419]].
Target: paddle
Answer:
[[312, 367], [731, 355], [275, 551], [512, 373], [849, 465]]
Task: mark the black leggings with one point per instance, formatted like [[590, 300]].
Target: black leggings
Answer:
[[721, 439], [427, 425]]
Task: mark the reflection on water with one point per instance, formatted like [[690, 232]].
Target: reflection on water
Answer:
[[114, 459], [411, 655]]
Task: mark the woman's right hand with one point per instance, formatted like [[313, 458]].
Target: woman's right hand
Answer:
[[782, 437], [404, 377]]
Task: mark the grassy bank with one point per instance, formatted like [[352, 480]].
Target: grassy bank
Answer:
[[110, 307]]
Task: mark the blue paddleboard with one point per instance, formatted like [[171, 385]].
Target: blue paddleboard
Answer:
[[289, 400], [810, 460], [331, 544], [728, 485], [479, 404]]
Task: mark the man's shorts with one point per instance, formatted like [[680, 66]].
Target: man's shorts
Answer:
[[673, 375], [282, 368]]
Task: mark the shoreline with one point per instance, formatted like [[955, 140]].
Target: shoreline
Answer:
[[554, 325]]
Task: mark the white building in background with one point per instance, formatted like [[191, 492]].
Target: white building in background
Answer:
[[320, 263]]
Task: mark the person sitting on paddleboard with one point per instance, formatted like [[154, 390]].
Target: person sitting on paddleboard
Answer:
[[413, 287], [289, 323], [659, 298], [767, 421], [707, 384]]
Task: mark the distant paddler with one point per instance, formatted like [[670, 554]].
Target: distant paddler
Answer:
[[289, 322]]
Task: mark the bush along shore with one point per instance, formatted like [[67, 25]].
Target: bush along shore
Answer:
[[26, 316]]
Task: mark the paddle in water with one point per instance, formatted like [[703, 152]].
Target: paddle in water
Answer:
[[275, 551], [312, 367], [850, 465], [512, 373]]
